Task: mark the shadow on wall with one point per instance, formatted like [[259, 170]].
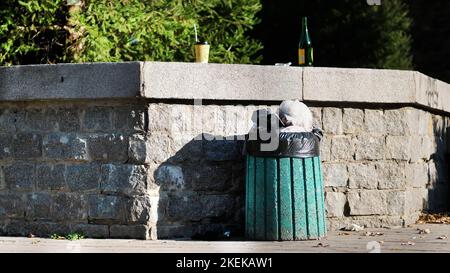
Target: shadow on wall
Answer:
[[201, 190], [439, 170]]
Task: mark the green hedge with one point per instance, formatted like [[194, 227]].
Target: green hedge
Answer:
[[124, 30]]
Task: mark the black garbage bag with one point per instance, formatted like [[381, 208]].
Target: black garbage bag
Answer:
[[291, 144]]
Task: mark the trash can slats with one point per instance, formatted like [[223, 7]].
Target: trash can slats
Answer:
[[284, 198], [272, 231], [299, 200], [286, 225], [311, 208], [320, 202], [250, 197], [260, 212]]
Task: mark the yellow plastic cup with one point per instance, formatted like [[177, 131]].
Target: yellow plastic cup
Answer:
[[201, 52]]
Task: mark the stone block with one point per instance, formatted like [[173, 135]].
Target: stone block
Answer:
[[171, 177], [375, 202], [50, 177], [352, 120], [369, 147], [332, 120], [124, 179], [397, 122], [358, 85], [6, 146], [91, 231], [317, 116], [87, 81], [138, 150], [7, 120], [83, 177], [69, 207], [19, 177], [65, 147], [159, 118], [342, 148], [187, 147], [201, 207], [12, 205], [38, 205], [130, 232], [108, 148], [367, 203], [222, 150], [426, 148], [67, 119], [139, 210], [414, 200], [335, 174], [335, 204], [129, 118], [392, 175], [234, 120], [209, 177], [37, 119], [417, 175], [175, 231], [159, 146], [374, 121], [27, 146], [181, 119], [325, 148], [97, 119], [213, 120], [44, 228], [398, 147], [105, 207], [395, 202], [363, 176], [424, 123], [221, 82]]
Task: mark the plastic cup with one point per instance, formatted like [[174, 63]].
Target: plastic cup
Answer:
[[201, 52]]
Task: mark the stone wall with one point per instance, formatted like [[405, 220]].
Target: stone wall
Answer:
[[125, 151], [382, 167], [74, 167]]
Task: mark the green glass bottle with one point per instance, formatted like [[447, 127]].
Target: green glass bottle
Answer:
[[305, 48]]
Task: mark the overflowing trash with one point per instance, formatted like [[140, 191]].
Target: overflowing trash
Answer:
[[290, 127], [295, 117]]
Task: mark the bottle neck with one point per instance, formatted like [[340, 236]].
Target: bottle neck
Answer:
[[305, 23]]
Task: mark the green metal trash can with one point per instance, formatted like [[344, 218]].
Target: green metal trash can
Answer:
[[284, 190]]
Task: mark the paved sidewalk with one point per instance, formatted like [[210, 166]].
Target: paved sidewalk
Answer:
[[385, 240]]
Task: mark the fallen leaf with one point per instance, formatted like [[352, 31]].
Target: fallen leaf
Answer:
[[443, 237], [381, 242], [408, 244], [434, 219], [343, 233]]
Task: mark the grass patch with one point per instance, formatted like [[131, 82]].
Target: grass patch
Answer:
[[71, 236]]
